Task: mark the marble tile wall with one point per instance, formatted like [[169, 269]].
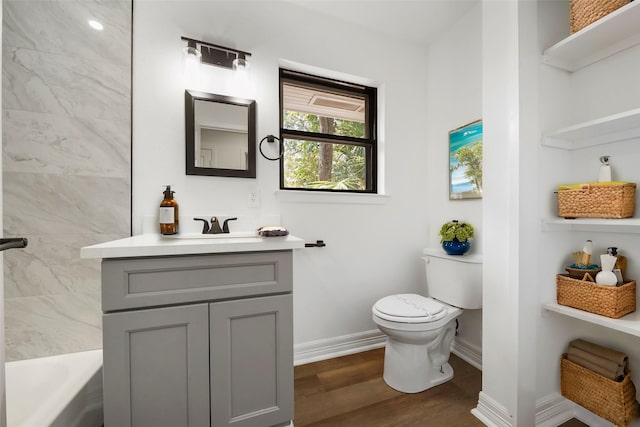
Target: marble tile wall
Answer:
[[66, 160]]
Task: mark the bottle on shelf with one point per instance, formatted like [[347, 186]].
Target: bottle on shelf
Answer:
[[605, 170], [168, 213], [586, 253], [621, 260]]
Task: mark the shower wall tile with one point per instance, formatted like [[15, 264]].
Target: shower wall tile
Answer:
[[66, 110], [61, 27], [64, 204], [51, 265], [49, 325], [69, 86], [55, 144]]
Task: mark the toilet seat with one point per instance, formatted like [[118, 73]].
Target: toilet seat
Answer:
[[409, 308]]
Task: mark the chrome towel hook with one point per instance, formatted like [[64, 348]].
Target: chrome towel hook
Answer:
[[270, 139]]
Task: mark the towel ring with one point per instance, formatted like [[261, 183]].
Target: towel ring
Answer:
[[270, 139]]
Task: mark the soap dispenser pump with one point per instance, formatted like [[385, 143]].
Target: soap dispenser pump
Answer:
[[168, 213]]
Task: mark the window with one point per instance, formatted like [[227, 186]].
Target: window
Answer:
[[328, 131]]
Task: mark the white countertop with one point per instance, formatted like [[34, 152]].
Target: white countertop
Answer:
[[157, 245]]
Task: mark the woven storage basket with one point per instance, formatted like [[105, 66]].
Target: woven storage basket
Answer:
[[609, 301], [612, 400], [585, 12], [597, 200]]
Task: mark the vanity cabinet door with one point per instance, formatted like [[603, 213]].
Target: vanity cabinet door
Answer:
[[252, 361], [156, 367]]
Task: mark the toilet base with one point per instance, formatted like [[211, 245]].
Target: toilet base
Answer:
[[408, 369]]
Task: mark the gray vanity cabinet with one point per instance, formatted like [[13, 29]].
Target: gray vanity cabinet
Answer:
[[252, 361], [156, 367], [221, 356]]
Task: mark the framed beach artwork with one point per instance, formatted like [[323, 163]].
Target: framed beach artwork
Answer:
[[465, 162]]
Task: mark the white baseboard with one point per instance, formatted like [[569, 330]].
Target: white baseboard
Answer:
[[593, 420], [337, 346], [553, 410], [467, 352], [491, 413], [362, 341]]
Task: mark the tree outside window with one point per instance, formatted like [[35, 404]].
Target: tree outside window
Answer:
[[327, 130]]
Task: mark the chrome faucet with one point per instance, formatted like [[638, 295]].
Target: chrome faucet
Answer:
[[214, 228]]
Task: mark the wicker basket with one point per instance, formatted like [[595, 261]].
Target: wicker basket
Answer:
[[609, 301], [585, 12], [597, 200], [612, 400]]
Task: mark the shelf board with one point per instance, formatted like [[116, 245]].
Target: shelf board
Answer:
[[622, 225], [629, 324], [607, 36], [617, 127]]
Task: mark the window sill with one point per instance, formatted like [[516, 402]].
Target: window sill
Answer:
[[293, 196]]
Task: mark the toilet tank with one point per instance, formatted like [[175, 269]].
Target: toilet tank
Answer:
[[454, 279]]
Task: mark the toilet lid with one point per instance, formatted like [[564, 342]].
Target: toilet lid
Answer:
[[410, 308]]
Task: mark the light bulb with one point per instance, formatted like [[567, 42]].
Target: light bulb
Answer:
[[191, 65], [240, 63]]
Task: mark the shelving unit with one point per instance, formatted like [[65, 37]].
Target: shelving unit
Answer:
[[623, 225], [629, 324], [614, 33], [607, 36], [614, 128], [610, 35]]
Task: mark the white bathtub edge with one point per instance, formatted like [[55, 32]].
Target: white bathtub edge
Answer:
[[76, 393]]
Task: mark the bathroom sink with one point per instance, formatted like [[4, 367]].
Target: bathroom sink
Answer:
[[232, 235]]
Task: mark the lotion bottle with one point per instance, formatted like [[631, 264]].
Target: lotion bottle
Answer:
[[605, 170], [607, 276], [168, 213]]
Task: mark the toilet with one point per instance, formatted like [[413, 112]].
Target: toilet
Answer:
[[420, 329]]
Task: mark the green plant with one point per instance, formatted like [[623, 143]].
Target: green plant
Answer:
[[455, 229]]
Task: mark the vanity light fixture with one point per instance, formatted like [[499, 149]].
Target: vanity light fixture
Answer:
[[219, 56]]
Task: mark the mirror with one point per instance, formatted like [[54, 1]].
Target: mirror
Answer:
[[220, 135]]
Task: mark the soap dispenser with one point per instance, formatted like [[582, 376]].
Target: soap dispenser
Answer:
[[621, 260], [168, 213]]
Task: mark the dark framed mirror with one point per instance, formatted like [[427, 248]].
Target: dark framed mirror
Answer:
[[220, 135]]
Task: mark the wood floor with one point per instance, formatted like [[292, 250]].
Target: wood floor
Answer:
[[349, 392]]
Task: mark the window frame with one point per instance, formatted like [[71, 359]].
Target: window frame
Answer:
[[369, 141]]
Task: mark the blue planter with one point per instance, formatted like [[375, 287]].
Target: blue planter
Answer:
[[456, 247]]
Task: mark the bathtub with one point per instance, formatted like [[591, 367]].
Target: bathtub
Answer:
[[55, 391]]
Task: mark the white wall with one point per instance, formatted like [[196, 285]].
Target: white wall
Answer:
[[500, 216], [374, 243], [454, 98]]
